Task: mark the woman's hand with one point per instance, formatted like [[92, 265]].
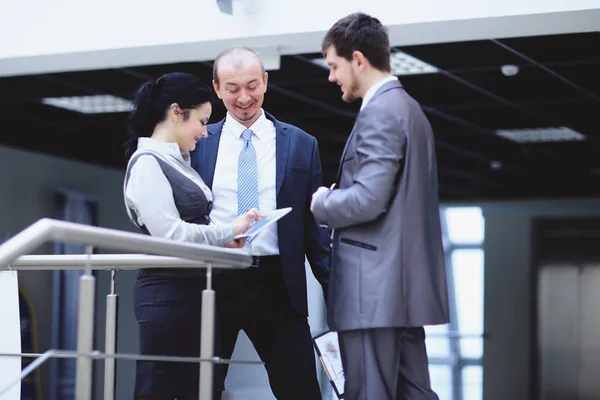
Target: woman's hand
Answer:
[[242, 223]]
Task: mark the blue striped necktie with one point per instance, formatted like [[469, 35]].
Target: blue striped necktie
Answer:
[[247, 175]]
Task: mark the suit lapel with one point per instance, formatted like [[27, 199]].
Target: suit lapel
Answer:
[[339, 172], [282, 148], [209, 153]]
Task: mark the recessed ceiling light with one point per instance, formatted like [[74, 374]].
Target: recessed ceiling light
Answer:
[[97, 104], [402, 64], [539, 135]]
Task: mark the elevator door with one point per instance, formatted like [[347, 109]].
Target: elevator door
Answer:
[[569, 331]]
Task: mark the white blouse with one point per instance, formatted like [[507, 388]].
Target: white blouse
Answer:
[[150, 195]]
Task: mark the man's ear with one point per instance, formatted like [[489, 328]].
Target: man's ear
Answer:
[[217, 89], [266, 80], [359, 58]]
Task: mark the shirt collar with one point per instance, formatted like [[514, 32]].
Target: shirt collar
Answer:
[[166, 148], [258, 127], [373, 89]]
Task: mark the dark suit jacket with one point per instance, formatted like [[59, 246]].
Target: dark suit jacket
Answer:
[[388, 266], [298, 175]]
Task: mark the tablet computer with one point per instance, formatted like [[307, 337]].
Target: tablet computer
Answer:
[[258, 226]]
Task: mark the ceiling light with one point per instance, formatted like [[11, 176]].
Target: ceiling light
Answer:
[[509, 70], [97, 104], [538, 135], [402, 64], [251, 7]]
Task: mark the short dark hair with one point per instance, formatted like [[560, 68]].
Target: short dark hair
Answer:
[[153, 99], [235, 52], [360, 32]]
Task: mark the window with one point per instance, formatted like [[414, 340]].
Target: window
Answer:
[[456, 350], [464, 225]]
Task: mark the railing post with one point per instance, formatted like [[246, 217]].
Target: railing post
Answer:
[[207, 338], [85, 332], [112, 314]]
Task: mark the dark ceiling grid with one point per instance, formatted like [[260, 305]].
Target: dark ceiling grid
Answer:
[[584, 167], [553, 49], [548, 70], [512, 161], [499, 155], [497, 99], [79, 87], [557, 85], [141, 76], [582, 116], [518, 106]]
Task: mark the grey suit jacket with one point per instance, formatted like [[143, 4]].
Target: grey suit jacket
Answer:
[[387, 265]]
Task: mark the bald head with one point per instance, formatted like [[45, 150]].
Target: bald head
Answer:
[[236, 58], [240, 80]]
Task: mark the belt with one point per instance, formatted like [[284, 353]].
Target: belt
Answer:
[[175, 272], [258, 260]]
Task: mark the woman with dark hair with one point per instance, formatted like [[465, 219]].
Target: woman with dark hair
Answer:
[[165, 197]]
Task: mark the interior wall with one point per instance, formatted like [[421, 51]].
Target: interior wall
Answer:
[[508, 298], [27, 184]]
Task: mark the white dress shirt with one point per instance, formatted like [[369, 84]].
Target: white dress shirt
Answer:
[[149, 193], [225, 206], [373, 89]]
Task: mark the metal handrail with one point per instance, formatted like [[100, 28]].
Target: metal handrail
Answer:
[[98, 355], [47, 229], [100, 262], [182, 255]]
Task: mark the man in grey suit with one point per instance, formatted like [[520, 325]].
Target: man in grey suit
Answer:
[[387, 278]]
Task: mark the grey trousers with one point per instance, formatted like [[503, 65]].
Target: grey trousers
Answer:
[[385, 364]]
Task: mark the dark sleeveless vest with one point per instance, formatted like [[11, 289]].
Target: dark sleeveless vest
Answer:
[[191, 203]]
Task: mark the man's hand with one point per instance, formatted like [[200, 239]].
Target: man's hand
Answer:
[[319, 192], [236, 244]]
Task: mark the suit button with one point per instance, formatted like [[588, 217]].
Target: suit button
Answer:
[[210, 206], [206, 218]]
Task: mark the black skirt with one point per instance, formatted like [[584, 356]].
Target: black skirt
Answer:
[[168, 311]]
